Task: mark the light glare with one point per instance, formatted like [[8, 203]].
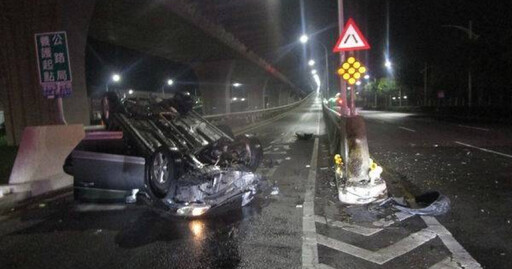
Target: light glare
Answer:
[[116, 77], [304, 39]]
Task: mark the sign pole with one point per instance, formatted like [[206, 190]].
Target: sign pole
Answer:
[[54, 68], [343, 85], [60, 109]]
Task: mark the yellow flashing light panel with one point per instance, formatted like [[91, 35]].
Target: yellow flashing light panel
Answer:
[[351, 70]]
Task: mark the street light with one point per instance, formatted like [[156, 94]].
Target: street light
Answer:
[[471, 36], [236, 84], [130, 92], [234, 98], [358, 83], [313, 71], [311, 62], [115, 78], [303, 39], [388, 64], [243, 99], [170, 82], [367, 77]]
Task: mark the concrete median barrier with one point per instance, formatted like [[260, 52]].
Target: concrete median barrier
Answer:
[[41, 154]]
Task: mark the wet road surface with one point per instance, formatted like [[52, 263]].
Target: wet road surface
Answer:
[[470, 163], [303, 226], [265, 234]]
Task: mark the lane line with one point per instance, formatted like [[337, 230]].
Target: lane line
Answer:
[[459, 253], [483, 149], [309, 236], [382, 255], [309, 241], [407, 129], [275, 152], [476, 128], [98, 207]]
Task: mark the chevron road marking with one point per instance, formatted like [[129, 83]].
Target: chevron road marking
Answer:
[[382, 255], [362, 230], [447, 263], [459, 253]]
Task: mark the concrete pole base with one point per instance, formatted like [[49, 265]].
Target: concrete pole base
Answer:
[[361, 193]]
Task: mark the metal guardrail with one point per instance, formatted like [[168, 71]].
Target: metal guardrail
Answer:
[[235, 118], [336, 132], [253, 116]]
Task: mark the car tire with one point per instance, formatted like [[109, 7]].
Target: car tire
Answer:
[[253, 151], [161, 173], [110, 103], [184, 102]]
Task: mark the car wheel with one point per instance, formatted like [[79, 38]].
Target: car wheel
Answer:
[[110, 103], [161, 173], [253, 151]]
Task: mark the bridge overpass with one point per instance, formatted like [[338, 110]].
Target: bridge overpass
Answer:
[[220, 43]]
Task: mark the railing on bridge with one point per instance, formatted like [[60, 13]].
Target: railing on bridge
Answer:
[[244, 118], [336, 131]]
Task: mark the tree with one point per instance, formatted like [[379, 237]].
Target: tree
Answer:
[[387, 86]]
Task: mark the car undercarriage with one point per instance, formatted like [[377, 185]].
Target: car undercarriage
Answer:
[[166, 152]]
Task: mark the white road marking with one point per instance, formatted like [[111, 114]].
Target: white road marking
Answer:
[[459, 253], [275, 152], [98, 207], [385, 222], [309, 236], [362, 230], [483, 149], [472, 127], [447, 263], [382, 255], [309, 241], [407, 129]]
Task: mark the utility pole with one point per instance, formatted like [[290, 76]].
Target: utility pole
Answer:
[[470, 35], [425, 83], [343, 89]]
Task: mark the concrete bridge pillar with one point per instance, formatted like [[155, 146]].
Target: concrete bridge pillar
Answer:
[[272, 94], [20, 92], [215, 79], [284, 96], [255, 94]]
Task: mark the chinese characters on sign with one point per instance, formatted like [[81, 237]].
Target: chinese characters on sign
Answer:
[[53, 64]]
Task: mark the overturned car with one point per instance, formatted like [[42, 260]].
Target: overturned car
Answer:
[[163, 151]]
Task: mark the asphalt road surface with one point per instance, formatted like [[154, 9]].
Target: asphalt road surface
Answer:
[[303, 226]]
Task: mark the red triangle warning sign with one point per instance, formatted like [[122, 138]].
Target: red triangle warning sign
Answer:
[[351, 39]]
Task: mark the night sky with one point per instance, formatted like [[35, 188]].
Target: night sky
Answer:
[[418, 36]]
